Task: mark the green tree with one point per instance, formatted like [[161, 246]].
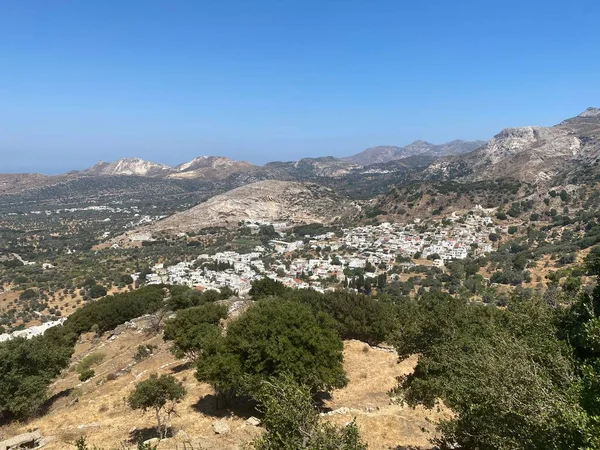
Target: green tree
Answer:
[[160, 394], [27, 367], [506, 375], [97, 291], [126, 279], [275, 336], [194, 329], [266, 288], [357, 316]]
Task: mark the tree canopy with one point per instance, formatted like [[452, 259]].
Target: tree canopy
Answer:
[[273, 337], [159, 394], [194, 329]]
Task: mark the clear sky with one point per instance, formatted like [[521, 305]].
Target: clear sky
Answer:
[[261, 80]]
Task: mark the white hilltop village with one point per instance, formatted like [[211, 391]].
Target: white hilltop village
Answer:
[[380, 248]]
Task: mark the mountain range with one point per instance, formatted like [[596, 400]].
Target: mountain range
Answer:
[[564, 153], [203, 167], [383, 154], [219, 167]]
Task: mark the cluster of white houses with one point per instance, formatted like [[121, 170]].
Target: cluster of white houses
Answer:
[[298, 262]]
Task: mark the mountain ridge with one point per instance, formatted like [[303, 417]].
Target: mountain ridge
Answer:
[[529, 153], [382, 154]]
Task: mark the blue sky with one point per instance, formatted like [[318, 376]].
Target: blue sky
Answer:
[[265, 80]]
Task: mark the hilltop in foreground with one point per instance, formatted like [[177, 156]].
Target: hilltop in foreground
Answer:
[[96, 409]]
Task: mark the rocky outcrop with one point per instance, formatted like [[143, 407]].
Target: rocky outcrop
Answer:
[[26, 440], [265, 201], [129, 166], [590, 112], [531, 154]]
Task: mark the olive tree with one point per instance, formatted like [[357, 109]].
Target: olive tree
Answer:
[[159, 394]]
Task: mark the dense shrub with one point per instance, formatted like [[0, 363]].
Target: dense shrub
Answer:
[[194, 329], [273, 337], [292, 420], [266, 288], [505, 374], [357, 316], [27, 367], [97, 291], [111, 311]]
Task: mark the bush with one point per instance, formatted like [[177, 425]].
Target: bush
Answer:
[[111, 311], [89, 361], [143, 352], [86, 374], [357, 316], [28, 294], [275, 336], [27, 367], [97, 291], [126, 279], [267, 288], [292, 420], [505, 374]]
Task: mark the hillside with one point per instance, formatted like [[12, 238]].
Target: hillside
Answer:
[[95, 408], [530, 154], [211, 168], [266, 201], [128, 166]]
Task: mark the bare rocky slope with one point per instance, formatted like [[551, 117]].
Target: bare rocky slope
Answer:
[[211, 168], [530, 154], [271, 201]]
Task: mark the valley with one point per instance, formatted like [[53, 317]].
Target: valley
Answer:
[[381, 267]]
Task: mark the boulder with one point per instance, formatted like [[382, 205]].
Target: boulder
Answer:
[[182, 436], [221, 427], [29, 440], [253, 421]]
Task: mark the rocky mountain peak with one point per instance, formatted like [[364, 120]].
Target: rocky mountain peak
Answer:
[[590, 112], [418, 146], [211, 168], [128, 166], [205, 161]]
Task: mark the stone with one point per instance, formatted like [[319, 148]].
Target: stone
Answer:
[[221, 427], [182, 436], [152, 442], [253, 421], [29, 440], [84, 426], [46, 440]]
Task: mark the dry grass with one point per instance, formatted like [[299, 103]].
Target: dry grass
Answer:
[[371, 375], [97, 408]]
